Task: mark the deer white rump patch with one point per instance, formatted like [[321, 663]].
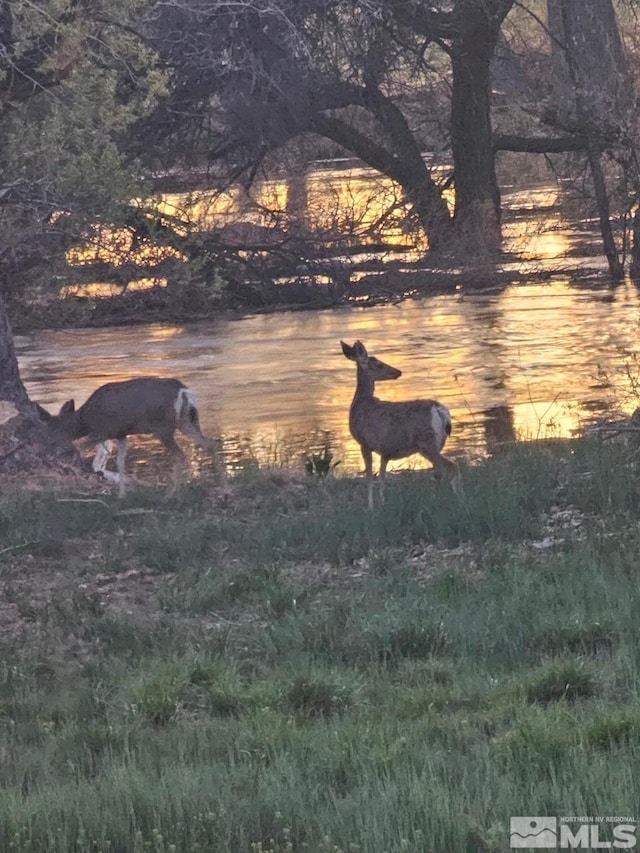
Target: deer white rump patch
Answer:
[[185, 401], [441, 424]]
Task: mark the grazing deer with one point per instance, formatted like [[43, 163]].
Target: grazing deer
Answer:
[[395, 430], [135, 407]]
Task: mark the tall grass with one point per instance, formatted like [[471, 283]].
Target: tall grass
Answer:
[[283, 670]]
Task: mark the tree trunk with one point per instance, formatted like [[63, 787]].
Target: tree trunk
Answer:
[[602, 200], [477, 211], [297, 198], [26, 441], [11, 388], [589, 63], [635, 247]]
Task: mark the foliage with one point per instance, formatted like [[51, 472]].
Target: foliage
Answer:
[[98, 105], [320, 464], [90, 77]]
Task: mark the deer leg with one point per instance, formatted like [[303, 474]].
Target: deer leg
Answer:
[[443, 468], [383, 473], [368, 467], [103, 452], [122, 477], [179, 459]]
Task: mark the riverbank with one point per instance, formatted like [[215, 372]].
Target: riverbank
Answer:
[[377, 284], [272, 667]]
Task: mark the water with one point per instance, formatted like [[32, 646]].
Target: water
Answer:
[[530, 360]]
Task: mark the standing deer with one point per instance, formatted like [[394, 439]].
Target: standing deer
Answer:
[[395, 430], [135, 407]]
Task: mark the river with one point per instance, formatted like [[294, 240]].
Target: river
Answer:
[[530, 360]]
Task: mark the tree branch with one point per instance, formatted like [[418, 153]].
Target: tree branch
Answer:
[[353, 140], [539, 144]]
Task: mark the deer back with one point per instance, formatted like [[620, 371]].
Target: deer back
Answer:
[[118, 409], [398, 429]]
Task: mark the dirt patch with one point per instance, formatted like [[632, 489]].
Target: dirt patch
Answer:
[[131, 591], [11, 623]]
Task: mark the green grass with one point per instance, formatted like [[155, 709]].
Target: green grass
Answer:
[[283, 670]]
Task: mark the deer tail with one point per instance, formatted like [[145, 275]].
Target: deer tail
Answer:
[[186, 406], [445, 417]]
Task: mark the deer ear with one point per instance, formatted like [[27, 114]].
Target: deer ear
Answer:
[[68, 408], [42, 413], [360, 351], [348, 351]]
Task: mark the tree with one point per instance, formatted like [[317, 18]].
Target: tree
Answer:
[[592, 90], [11, 388], [477, 27], [249, 79], [255, 78], [72, 78], [468, 31]]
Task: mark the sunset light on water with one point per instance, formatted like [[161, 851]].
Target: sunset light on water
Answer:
[[531, 361]]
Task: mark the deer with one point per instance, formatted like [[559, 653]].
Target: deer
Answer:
[[146, 405], [395, 430]]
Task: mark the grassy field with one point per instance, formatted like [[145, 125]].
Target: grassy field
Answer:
[[279, 669]]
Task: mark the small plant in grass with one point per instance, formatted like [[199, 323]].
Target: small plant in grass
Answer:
[[180, 686], [410, 641], [281, 843], [577, 637], [158, 697], [318, 697], [568, 680], [420, 673], [250, 582], [273, 845], [218, 688], [542, 738], [282, 599], [384, 561], [613, 729], [320, 464]]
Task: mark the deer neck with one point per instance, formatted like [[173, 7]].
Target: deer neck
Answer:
[[364, 386], [76, 427]]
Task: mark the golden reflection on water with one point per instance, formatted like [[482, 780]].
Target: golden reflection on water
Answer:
[[347, 201], [113, 246], [544, 241], [355, 201], [536, 230], [342, 201], [526, 362], [98, 289], [211, 209], [530, 361]]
